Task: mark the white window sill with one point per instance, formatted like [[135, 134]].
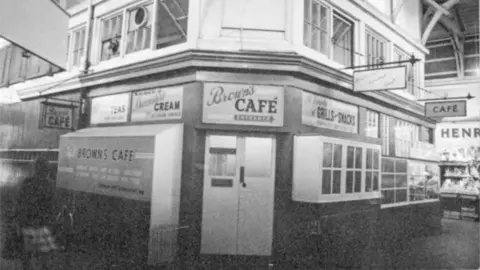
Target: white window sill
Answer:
[[347, 197], [323, 59], [390, 205]]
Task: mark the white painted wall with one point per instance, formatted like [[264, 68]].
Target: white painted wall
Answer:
[[409, 18]]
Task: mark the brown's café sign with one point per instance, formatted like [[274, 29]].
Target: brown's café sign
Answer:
[[238, 104], [58, 116]]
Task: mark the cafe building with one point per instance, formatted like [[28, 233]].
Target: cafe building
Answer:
[[217, 148]]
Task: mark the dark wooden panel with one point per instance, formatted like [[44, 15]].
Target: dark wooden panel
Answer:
[[471, 48], [441, 66], [440, 52], [443, 76]]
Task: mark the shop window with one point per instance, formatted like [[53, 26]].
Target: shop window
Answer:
[[385, 127], [328, 32], [406, 136], [394, 180], [372, 127], [139, 30], [376, 48], [348, 170], [424, 180], [111, 36], [223, 156]]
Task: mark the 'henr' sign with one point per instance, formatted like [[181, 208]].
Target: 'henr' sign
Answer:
[[446, 108]]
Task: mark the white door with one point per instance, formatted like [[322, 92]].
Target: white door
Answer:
[[238, 195]]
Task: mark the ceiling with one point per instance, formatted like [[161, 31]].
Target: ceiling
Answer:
[[453, 40]]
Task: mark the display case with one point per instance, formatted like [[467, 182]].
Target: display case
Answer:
[[460, 185]]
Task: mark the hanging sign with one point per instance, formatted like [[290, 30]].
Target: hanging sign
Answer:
[[323, 112], [110, 109], [239, 104], [391, 78], [58, 116], [446, 108], [157, 104]]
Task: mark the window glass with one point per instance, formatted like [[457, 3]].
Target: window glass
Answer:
[[401, 180], [342, 40], [368, 181], [369, 158], [388, 165], [388, 180], [358, 181], [350, 156], [337, 180], [349, 182], [401, 166], [375, 181], [337, 158], [326, 182], [258, 157], [376, 159], [400, 195], [388, 196], [327, 155], [358, 157], [222, 164], [373, 125]]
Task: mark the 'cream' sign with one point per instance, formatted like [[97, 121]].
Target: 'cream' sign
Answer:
[[239, 104], [157, 104]]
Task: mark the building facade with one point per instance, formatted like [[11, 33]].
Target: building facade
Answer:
[[278, 156]]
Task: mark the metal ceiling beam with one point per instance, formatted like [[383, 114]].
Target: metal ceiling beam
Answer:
[[441, 10], [396, 10]]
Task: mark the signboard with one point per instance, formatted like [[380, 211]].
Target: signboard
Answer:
[[323, 112], [446, 108], [157, 104], [57, 116], [41, 28], [461, 137], [113, 166], [241, 104], [110, 109], [391, 78]]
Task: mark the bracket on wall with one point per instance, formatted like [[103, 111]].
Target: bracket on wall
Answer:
[[469, 96], [412, 60]]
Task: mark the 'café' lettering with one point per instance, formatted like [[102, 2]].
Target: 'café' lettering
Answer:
[[58, 121], [116, 154], [126, 155], [444, 109], [256, 106]]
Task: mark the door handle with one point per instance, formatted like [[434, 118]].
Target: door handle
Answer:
[[242, 176]]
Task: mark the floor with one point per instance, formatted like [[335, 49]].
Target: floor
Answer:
[[456, 247]]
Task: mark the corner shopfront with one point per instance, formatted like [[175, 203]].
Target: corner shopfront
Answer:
[[226, 167]]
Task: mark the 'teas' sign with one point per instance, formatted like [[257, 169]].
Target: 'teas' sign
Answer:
[[446, 108]]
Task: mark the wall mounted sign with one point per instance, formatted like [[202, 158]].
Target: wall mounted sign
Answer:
[[242, 104], [323, 112], [446, 108], [113, 166], [58, 116], [157, 104], [457, 135], [110, 109], [391, 78]]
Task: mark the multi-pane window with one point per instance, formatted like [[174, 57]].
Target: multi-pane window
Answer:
[[372, 170], [413, 73], [148, 26], [78, 45], [139, 32], [406, 136], [385, 130], [423, 181], [394, 180], [376, 48], [332, 168], [354, 169], [373, 125], [342, 40], [316, 26], [111, 36], [328, 32]]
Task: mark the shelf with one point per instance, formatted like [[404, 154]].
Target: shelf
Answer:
[[454, 163], [458, 176]]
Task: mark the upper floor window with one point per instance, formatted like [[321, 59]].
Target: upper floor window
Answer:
[[406, 136], [328, 32], [414, 73], [78, 47], [373, 125], [139, 30], [111, 35], [376, 48], [152, 25]]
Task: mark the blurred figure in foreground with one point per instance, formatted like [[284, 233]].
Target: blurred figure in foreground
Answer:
[[34, 214]]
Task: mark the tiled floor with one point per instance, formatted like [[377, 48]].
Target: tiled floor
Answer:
[[457, 247]]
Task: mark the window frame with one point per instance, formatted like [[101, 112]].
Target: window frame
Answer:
[[381, 38], [332, 12], [71, 46], [100, 40], [127, 12], [369, 129], [343, 195]]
